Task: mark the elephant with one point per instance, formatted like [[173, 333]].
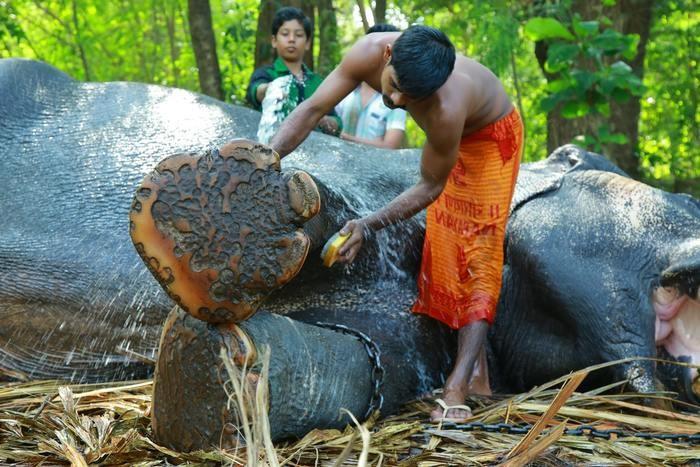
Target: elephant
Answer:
[[76, 302]]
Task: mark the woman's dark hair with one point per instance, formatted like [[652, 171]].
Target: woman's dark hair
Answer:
[[289, 13], [382, 27], [423, 58]]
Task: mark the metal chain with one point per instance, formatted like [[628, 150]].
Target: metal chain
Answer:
[[582, 430], [376, 401]]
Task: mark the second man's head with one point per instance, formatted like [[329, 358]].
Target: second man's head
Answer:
[[291, 31]]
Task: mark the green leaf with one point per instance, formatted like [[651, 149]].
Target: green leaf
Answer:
[[603, 108], [575, 109], [538, 29], [632, 44], [621, 95], [607, 85], [548, 103], [604, 136], [585, 28], [620, 68], [560, 55], [559, 85], [635, 86], [584, 79], [618, 138], [610, 42]]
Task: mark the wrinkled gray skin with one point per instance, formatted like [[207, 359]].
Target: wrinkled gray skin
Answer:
[[76, 302], [586, 248]]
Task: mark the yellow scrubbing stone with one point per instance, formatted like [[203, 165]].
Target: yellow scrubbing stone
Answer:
[[329, 254]]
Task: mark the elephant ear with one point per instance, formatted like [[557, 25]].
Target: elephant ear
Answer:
[[547, 175], [221, 230], [683, 271]]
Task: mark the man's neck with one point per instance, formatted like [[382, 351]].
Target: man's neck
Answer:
[[295, 68]]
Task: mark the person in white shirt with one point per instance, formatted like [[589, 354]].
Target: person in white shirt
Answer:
[[365, 117]]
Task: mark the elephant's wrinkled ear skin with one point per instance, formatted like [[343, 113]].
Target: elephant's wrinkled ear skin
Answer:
[[221, 230]]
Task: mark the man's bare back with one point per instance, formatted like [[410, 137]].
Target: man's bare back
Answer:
[[471, 87], [471, 98], [450, 97]]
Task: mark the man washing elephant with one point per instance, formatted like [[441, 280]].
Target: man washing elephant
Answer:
[[468, 168]]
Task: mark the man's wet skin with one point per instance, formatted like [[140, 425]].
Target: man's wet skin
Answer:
[[471, 98], [468, 376], [471, 87]]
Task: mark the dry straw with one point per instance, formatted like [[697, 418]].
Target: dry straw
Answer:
[[50, 423]]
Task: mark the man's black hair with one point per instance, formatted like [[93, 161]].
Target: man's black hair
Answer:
[[289, 13], [382, 27], [423, 58]]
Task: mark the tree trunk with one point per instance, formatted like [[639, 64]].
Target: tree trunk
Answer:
[[204, 44], [379, 11], [263, 49], [629, 17], [329, 53], [307, 6], [363, 14], [170, 20], [79, 40]]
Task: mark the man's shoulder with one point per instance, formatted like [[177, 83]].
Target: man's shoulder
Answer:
[[264, 71]]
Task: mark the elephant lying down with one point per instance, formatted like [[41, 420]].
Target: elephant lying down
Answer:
[[598, 267]]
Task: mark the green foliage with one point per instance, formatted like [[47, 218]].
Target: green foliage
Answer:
[[588, 70], [670, 119], [102, 40], [9, 27], [237, 44], [539, 29]]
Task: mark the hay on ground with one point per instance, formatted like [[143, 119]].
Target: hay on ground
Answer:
[[50, 423]]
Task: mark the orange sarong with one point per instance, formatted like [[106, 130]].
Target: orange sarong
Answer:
[[460, 276]]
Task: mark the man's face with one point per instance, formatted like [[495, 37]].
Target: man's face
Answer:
[[291, 41], [393, 97]]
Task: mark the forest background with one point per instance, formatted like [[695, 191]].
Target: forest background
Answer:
[[617, 77]]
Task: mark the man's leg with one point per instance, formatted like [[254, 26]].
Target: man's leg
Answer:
[[471, 340]]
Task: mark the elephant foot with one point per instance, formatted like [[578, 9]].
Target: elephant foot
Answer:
[[222, 230]]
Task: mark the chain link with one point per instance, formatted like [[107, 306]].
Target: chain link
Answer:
[[582, 430], [376, 401]]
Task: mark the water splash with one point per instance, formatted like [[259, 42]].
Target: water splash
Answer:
[[275, 107]]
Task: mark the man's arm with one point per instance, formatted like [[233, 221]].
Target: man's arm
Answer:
[[297, 126], [259, 80], [438, 158], [351, 71], [261, 91]]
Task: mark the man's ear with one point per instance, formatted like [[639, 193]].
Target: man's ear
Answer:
[[273, 41], [387, 53]]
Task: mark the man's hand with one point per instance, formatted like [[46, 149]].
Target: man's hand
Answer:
[[261, 91], [328, 125], [352, 245]]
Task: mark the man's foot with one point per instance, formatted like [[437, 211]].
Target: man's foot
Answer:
[[452, 408]]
